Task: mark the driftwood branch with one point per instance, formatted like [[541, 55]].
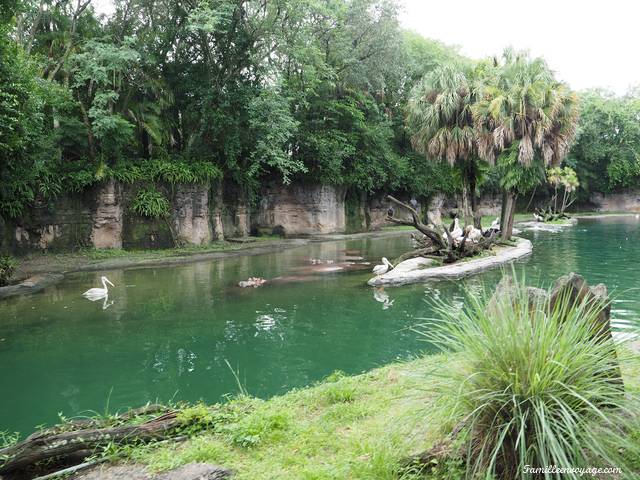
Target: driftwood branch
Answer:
[[433, 234], [438, 244], [60, 446]]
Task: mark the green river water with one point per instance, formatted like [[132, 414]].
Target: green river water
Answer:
[[166, 333]]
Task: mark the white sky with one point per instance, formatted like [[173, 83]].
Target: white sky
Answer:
[[589, 43]]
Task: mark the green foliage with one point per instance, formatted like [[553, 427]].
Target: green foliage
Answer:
[[607, 152], [258, 92], [257, 428], [7, 439], [196, 419], [535, 385], [7, 269], [22, 133], [273, 127], [515, 176], [150, 203]]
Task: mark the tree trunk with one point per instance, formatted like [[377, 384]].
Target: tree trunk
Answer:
[[508, 211], [477, 218], [467, 213]]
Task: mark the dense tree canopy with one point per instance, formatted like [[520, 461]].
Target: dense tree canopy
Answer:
[[175, 90], [280, 91], [606, 155]]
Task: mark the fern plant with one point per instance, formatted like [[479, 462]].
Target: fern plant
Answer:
[[7, 268], [151, 203]]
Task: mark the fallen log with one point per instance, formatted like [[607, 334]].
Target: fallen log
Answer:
[[60, 446]]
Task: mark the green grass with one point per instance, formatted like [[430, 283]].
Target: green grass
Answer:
[[356, 427], [345, 427]]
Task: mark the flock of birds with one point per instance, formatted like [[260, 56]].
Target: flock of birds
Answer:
[[457, 233], [473, 234]]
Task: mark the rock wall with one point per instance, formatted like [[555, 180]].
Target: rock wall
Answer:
[[302, 209], [102, 217], [628, 201], [106, 231], [190, 214], [61, 224]]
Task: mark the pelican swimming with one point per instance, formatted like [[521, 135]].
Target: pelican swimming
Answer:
[[384, 268], [98, 293]]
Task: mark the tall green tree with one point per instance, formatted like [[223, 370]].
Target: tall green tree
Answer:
[[525, 120], [439, 114]]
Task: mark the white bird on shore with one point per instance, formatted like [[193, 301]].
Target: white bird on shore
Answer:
[[457, 231], [474, 234], [384, 268], [98, 293]]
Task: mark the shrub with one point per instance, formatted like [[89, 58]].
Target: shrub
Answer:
[[151, 203], [7, 268], [533, 386]]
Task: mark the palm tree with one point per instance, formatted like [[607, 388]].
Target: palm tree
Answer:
[[523, 110], [439, 115]]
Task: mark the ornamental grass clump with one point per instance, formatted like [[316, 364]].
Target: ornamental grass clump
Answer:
[[536, 386]]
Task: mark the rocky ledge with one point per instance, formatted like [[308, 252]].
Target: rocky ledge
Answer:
[[31, 285], [416, 270]]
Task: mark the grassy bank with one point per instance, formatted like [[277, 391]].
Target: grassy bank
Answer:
[[344, 427], [356, 427]]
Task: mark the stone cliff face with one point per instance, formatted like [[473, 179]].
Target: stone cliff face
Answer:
[[102, 217], [302, 209], [106, 231], [617, 202], [191, 214]]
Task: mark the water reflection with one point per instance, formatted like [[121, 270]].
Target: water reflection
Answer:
[[380, 295]]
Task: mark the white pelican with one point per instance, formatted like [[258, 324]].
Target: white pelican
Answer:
[[98, 293], [384, 268], [537, 217], [457, 231], [474, 235]]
